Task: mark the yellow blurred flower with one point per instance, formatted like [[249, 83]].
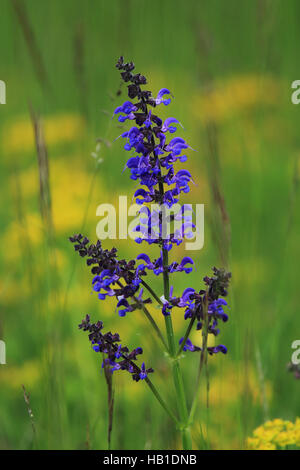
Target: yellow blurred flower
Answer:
[[276, 434], [230, 384], [18, 136], [229, 97], [21, 233], [69, 186], [14, 376], [255, 265]]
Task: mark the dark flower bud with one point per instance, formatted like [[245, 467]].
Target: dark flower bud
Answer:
[[133, 91], [151, 102], [217, 284], [139, 79], [126, 76], [157, 121], [140, 118], [108, 344], [120, 63], [146, 94], [129, 67]]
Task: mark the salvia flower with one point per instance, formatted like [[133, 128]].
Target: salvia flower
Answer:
[[116, 356], [112, 277], [194, 304], [189, 345], [153, 155]]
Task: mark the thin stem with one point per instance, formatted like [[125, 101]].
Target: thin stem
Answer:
[[187, 333], [153, 323], [177, 375], [110, 401], [203, 359], [168, 319], [161, 401], [150, 318], [152, 387], [152, 292]]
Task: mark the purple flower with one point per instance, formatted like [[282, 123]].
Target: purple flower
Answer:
[[127, 308], [112, 277], [216, 309], [189, 345], [214, 350], [107, 344], [144, 257], [167, 125], [144, 372], [128, 109], [152, 166], [182, 266], [145, 196], [176, 146], [159, 99]]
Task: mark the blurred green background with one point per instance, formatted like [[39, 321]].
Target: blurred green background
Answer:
[[230, 66]]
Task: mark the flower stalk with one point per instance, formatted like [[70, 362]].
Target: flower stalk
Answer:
[[177, 375], [202, 361], [152, 163]]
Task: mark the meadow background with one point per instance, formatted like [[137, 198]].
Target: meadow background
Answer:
[[230, 66]]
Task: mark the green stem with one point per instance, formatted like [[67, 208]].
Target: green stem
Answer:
[[152, 292], [150, 318], [177, 375], [154, 324], [202, 361], [161, 401], [187, 334]]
